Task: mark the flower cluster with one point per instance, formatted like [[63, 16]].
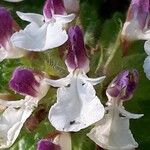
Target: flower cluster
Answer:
[[77, 105]]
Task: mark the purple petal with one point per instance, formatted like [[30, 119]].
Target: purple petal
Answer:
[[6, 26], [24, 82], [76, 57], [59, 7], [52, 7], [45, 144], [124, 85], [48, 9]]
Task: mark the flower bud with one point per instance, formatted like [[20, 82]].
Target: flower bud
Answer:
[[124, 85], [23, 81]]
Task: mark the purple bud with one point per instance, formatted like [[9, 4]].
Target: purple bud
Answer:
[[76, 57], [139, 10], [124, 85], [45, 144], [52, 7], [6, 26], [24, 82]]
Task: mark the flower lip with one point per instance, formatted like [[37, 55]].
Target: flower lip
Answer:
[[45, 144], [52, 7], [76, 57], [124, 85], [23, 81], [6, 26]]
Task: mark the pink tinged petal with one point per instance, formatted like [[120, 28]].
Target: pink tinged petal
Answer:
[[24, 82], [6, 26], [45, 144], [72, 6], [139, 9], [113, 132], [77, 106], [76, 57]]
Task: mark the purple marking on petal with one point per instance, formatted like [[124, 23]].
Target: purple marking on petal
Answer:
[[59, 7], [48, 9], [139, 9], [6, 26], [76, 57], [45, 144], [124, 85], [24, 82], [52, 7]]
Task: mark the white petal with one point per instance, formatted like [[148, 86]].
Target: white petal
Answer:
[[94, 81], [13, 0], [113, 133], [63, 140], [31, 17], [12, 120], [12, 52], [2, 54], [147, 47], [35, 38], [55, 36], [58, 83], [131, 31], [64, 18], [128, 114], [77, 106], [146, 67]]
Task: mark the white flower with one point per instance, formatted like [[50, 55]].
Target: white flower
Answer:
[[44, 31], [13, 114], [113, 132], [77, 105]]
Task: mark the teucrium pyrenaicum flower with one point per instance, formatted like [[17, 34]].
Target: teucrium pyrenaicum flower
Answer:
[[113, 132], [77, 105], [15, 113], [7, 49], [44, 31]]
